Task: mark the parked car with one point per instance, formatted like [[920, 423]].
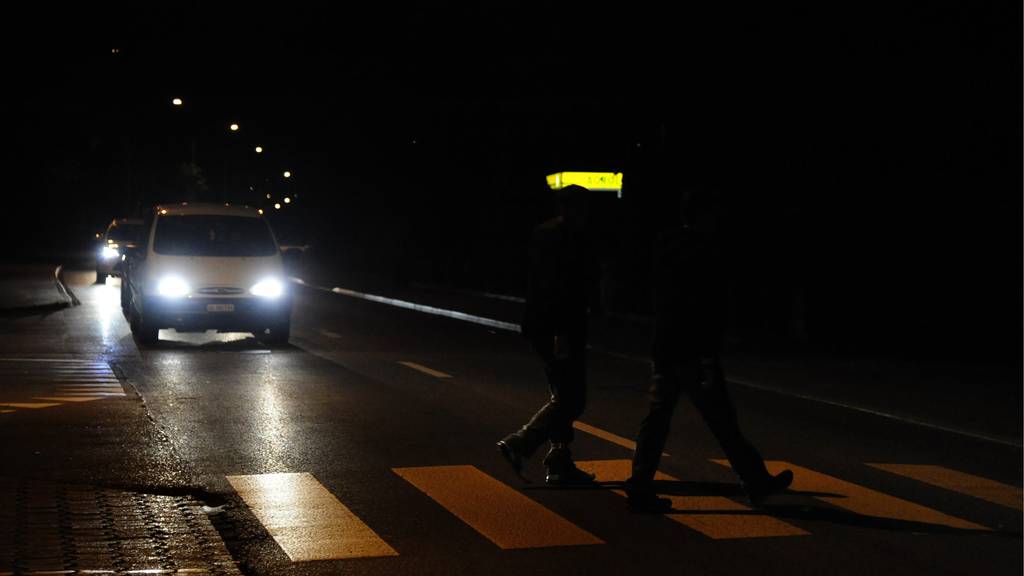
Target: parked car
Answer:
[[207, 266], [121, 235]]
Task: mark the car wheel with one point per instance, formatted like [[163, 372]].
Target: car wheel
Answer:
[[276, 335], [143, 331]]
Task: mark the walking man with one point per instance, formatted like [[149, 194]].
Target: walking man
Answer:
[[555, 323], [688, 301]]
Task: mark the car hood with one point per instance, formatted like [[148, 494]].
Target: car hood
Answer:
[[211, 271]]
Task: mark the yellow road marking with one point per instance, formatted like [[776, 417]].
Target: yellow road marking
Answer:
[[983, 488], [605, 435], [594, 431], [306, 520], [68, 398], [501, 514], [714, 516], [32, 405], [864, 501], [426, 370]]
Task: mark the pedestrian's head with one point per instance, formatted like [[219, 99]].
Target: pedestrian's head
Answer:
[[573, 205]]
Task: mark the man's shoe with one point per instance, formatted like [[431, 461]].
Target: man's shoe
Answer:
[[571, 476], [647, 502], [512, 456], [761, 489]]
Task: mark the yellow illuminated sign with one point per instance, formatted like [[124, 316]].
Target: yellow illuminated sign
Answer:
[[594, 181]]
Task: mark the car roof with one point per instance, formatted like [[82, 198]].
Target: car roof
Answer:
[[207, 208]]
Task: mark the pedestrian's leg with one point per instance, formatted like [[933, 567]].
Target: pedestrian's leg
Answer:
[[650, 440], [522, 443], [712, 400], [569, 399]]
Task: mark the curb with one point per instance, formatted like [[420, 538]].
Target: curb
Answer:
[[63, 288]]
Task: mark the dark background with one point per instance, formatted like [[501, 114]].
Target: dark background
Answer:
[[869, 156]]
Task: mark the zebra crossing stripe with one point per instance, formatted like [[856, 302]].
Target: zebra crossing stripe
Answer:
[[962, 482], [500, 513], [716, 517], [69, 398], [30, 405], [864, 501], [306, 520]]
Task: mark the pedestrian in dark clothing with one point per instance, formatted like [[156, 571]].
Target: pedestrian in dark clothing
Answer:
[[555, 323], [688, 301]]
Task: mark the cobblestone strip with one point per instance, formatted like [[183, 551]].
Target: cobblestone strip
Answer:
[[53, 528]]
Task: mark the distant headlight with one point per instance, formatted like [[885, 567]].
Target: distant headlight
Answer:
[[109, 253], [268, 288], [172, 287]]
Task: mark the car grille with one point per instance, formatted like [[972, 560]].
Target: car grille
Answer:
[[220, 290]]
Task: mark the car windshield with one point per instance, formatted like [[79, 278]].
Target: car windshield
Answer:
[[211, 235], [125, 233]]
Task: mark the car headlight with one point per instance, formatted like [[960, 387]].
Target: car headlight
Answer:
[[172, 287], [109, 253], [268, 288]]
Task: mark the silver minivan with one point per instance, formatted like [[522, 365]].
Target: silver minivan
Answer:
[[207, 267]]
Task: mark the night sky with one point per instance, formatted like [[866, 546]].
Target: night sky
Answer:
[[870, 155]]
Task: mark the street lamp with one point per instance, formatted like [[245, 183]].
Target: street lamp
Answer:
[[287, 200], [234, 127], [277, 206], [287, 174], [176, 102], [259, 149]]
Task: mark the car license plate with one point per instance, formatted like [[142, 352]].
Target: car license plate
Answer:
[[220, 307]]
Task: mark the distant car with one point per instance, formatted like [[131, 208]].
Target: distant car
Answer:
[[121, 235], [207, 267]]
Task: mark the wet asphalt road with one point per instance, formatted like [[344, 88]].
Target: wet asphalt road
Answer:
[[338, 403]]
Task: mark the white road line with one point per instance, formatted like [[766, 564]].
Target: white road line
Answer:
[[905, 419], [511, 327]]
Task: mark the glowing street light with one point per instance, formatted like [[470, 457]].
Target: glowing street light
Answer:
[[259, 149], [268, 196], [234, 127], [176, 102], [287, 200], [287, 174], [260, 211], [277, 206]]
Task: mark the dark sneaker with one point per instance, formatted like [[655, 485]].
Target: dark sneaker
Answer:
[[758, 491], [514, 458], [648, 503], [568, 476]]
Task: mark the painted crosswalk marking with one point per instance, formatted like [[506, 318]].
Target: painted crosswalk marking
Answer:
[[306, 520], [864, 501], [50, 382], [500, 513], [714, 516], [29, 405], [976, 486]]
